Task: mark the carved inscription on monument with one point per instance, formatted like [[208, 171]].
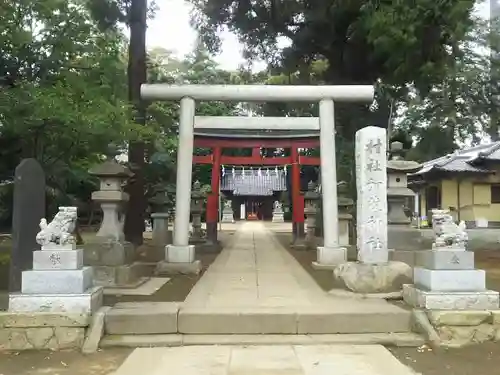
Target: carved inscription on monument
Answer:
[[55, 259], [371, 181]]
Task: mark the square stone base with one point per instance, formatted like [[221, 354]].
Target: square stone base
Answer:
[[167, 268], [331, 255], [82, 303], [56, 281], [449, 280], [445, 260], [422, 299], [108, 253], [125, 276], [58, 259], [179, 254]]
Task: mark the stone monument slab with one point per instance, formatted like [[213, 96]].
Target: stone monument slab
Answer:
[[445, 260], [57, 281], [371, 182], [58, 259], [449, 280], [28, 208]]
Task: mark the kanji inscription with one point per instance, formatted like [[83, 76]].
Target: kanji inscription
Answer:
[[371, 181]]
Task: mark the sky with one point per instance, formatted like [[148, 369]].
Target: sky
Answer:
[[171, 30]]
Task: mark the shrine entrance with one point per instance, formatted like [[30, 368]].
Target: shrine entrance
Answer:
[[181, 251], [255, 181]]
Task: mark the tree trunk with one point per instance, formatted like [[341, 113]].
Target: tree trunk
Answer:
[[134, 223]]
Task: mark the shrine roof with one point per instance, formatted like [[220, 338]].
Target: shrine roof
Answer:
[[255, 134], [470, 160]]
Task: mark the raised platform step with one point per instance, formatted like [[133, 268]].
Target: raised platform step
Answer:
[[167, 317], [404, 339]]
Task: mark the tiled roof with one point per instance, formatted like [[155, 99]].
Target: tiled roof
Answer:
[[467, 160]]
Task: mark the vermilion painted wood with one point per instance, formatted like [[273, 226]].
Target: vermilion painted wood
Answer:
[[250, 160]]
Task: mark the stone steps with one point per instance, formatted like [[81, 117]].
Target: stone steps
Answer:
[[402, 339], [171, 318]]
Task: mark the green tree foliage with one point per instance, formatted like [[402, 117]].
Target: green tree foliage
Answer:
[[61, 96]]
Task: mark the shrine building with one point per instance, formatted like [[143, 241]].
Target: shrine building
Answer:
[[253, 183]]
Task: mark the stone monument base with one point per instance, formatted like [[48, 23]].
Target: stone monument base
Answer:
[[330, 256], [84, 303], [125, 276], [278, 217], [422, 299], [56, 281], [108, 253], [167, 268], [227, 219], [366, 278]]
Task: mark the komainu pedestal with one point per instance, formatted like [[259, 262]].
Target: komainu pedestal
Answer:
[[278, 214], [58, 281], [445, 277], [227, 213]]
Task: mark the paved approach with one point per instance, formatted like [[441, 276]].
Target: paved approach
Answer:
[[253, 278], [264, 360], [255, 270]]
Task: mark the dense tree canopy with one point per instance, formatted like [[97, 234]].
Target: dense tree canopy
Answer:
[[64, 92]]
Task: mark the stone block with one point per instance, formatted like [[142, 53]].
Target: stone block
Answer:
[[445, 260], [205, 320], [11, 319], [85, 303], [57, 281], [320, 321], [41, 338], [373, 278], [108, 253], [159, 318], [432, 300], [330, 255], [58, 259], [459, 318], [180, 254], [449, 280], [166, 268], [122, 276]]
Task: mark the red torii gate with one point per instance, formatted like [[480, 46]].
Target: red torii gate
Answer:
[[217, 142]]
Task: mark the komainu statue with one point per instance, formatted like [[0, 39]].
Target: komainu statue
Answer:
[[448, 235], [60, 230]]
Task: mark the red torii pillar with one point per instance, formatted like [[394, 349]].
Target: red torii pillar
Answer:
[[297, 199], [212, 214]]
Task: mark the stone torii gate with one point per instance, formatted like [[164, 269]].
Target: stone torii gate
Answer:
[[180, 251]]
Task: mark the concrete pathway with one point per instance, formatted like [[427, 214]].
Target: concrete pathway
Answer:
[[264, 360], [256, 271]]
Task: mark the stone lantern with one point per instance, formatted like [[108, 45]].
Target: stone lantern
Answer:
[[398, 192], [197, 197], [345, 217], [311, 198], [109, 253], [162, 236]]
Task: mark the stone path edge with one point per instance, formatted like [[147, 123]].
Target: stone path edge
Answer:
[[172, 317]]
